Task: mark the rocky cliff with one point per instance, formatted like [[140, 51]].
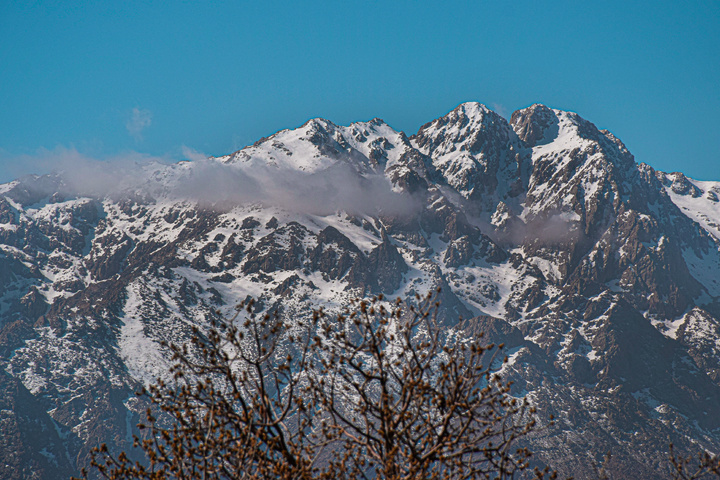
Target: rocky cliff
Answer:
[[600, 275]]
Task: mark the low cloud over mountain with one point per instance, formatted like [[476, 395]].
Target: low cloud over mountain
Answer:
[[598, 273]]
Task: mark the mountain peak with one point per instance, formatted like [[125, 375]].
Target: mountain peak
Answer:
[[570, 253], [473, 109], [473, 114], [461, 125], [532, 124], [318, 122]]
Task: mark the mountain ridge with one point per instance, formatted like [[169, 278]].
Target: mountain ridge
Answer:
[[599, 271]]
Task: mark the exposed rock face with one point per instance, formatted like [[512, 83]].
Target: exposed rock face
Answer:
[[334, 254], [535, 125], [600, 275], [32, 444]]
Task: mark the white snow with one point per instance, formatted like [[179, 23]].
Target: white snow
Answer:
[[702, 209], [141, 355]]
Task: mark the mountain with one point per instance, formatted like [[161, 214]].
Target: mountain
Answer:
[[598, 273]]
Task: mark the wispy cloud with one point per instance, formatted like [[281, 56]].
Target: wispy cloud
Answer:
[[192, 154], [139, 120], [338, 188], [500, 110], [83, 174], [214, 184]]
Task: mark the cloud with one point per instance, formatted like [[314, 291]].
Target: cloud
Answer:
[[555, 228], [213, 184], [500, 110], [139, 120], [338, 188], [84, 175], [192, 154]]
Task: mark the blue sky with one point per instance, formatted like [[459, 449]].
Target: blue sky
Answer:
[[108, 80]]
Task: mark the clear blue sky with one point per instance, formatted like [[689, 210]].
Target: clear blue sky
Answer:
[[108, 78]]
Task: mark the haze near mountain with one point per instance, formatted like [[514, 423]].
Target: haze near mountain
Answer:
[[597, 272]]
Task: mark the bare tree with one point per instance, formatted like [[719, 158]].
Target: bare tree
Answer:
[[232, 410], [703, 465], [380, 391], [409, 401]]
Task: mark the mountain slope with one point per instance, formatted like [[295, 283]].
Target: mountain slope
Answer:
[[599, 273]]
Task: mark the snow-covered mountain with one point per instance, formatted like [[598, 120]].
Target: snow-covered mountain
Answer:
[[598, 273]]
